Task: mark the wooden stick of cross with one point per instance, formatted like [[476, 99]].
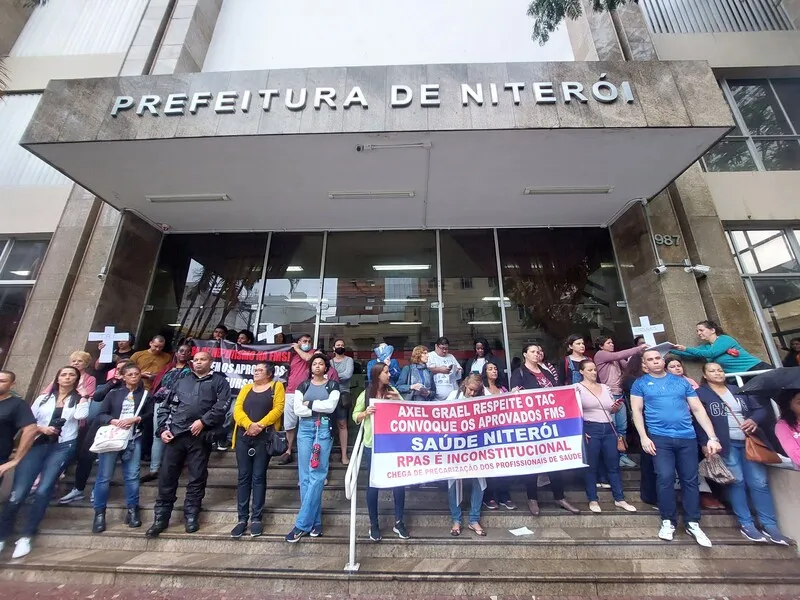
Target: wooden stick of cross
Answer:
[[108, 336]]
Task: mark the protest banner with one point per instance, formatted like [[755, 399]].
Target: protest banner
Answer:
[[518, 433], [236, 361]]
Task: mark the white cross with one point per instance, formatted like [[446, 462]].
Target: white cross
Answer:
[[269, 333], [108, 336], [646, 330]]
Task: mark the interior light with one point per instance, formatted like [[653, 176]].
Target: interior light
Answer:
[[322, 323], [294, 269], [543, 191], [306, 300], [372, 194], [494, 298], [189, 198], [484, 322], [20, 273], [401, 267], [404, 299], [173, 324], [405, 322]]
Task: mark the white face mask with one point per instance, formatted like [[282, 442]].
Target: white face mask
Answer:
[[305, 347]]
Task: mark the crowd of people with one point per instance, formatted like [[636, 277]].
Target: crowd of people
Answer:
[[176, 408]]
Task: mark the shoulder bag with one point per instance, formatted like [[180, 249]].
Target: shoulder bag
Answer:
[[755, 450], [110, 438], [622, 443], [717, 471]]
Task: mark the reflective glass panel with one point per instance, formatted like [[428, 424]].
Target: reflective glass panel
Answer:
[[380, 287], [24, 260], [205, 280], [780, 302], [788, 91], [759, 108], [12, 305], [779, 155], [729, 155]]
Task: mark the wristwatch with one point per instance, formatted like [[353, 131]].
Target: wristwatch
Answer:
[[713, 439]]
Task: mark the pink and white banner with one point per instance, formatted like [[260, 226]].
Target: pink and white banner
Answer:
[[518, 433]]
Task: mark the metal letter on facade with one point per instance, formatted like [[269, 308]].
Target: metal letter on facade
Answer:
[[543, 92], [199, 99], [326, 95], [175, 104], [476, 95], [515, 88], [298, 104], [429, 94], [226, 102], [122, 103], [268, 95], [149, 102], [573, 88], [396, 101], [356, 96]]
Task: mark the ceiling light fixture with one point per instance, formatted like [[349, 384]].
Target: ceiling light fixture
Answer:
[[189, 198], [566, 191], [173, 324], [494, 298], [405, 322], [372, 194], [20, 273], [323, 323], [401, 267], [364, 147], [294, 269], [484, 322], [305, 300], [404, 299]]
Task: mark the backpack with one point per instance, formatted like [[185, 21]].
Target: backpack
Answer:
[[572, 374]]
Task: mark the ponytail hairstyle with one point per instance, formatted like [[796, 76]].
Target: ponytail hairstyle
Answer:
[[712, 325]]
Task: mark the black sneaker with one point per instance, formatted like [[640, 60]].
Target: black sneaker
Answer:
[[256, 529], [375, 533], [316, 531], [491, 504], [294, 535], [508, 504], [401, 531], [239, 530]]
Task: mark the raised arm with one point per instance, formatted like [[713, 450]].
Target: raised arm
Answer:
[[708, 351]]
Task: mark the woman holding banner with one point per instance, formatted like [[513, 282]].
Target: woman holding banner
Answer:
[[471, 387], [416, 381], [379, 389], [496, 493], [598, 405], [530, 376]]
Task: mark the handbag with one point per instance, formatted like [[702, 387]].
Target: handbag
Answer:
[[110, 438], [622, 443], [714, 469], [276, 442], [755, 450]]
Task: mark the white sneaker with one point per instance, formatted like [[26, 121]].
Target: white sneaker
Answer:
[[693, 529], [624, 505], [23, 547], [75, 494], [667, 530], [594, 506]]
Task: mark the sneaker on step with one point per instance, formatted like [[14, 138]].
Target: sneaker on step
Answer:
[[667, 531], [256, 529], [776, 537], [624, 461], [375, 533], [491, 504], [594, 506], [316, 531], [23, 547], [401, 531], [239, 530], [72, 496], [294, 535], [693, 529], [751, 532], [624, 505], [603, 486], [508, 504]]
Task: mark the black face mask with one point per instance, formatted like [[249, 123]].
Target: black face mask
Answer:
[[339, 350]]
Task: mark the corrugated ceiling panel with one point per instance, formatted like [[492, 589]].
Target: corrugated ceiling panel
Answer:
[[80, 27], [18, 166]]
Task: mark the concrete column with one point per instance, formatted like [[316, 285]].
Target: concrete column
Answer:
[[593, 36], [14, 16], [42, 320], [722, 291], [633, 34], [187, 37]]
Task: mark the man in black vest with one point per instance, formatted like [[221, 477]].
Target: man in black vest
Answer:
[[187, 424]]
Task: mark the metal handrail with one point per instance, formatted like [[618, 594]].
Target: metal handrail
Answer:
[[351, 493]]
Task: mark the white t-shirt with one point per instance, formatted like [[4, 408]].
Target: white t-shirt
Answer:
[[445, 382], [736, 407], [477, 365], [128, 408]]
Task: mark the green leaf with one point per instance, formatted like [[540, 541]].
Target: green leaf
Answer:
[[548, 14]]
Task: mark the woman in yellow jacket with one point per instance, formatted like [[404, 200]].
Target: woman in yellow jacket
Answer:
[[258, 407]]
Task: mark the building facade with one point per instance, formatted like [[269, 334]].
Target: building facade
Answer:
[[396, 176]]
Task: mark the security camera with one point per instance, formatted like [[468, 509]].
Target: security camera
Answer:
[[702, 269], [360, 147], [101, 276], [660, 269], [164, 227]]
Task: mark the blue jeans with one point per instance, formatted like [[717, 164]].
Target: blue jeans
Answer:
[[398, 495], [312, 481], [752, 477], [621, 416], [130, 458], [675, 454], [475, 499], [48, 462], [601, 450], [157, 450]]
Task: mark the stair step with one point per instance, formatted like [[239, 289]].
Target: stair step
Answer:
[[292, 570]]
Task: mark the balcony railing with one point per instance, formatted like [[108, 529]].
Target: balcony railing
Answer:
[[710, 16]]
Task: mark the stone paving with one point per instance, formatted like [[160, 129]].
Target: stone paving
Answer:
[[27, 591]]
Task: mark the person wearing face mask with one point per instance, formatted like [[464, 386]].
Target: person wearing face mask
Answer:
[[344, 368], [302, 353], [568, 371], [383, 353]]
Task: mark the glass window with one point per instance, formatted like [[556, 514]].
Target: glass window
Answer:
[[292, 294], [779, 155], [788, 91], [470, 292], [780, 303], [765, 251], [565, 281], [379, 287], [205, 280], [759, 107], [729, 155], [12, 305], [24, 260]]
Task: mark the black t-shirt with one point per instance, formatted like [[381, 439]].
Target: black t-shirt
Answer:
[[257, 405], [14, 415]]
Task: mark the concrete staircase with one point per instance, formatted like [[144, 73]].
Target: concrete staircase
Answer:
[[611, 554]]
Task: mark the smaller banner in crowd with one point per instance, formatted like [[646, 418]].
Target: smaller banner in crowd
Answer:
[[518, 433], [236, 361]]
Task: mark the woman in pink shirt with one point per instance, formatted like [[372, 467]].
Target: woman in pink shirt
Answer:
[[87, 383], [787, 429], [599, 407]]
